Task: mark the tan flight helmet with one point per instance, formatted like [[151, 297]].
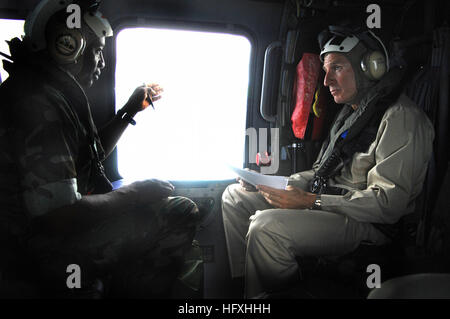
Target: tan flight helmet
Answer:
[[365, 51]]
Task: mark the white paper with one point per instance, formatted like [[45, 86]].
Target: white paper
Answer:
[[254, 178]]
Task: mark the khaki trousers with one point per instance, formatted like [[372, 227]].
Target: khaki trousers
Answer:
[[263, 242]]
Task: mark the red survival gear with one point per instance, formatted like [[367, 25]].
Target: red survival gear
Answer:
[[308, 70], [263, 159]]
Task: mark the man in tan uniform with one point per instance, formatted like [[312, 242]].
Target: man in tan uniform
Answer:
[[366, 177]]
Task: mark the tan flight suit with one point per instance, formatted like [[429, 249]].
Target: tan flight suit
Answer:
[[383, 182]]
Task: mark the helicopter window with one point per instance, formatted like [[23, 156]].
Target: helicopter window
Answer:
[[199, 125], [8, 30]]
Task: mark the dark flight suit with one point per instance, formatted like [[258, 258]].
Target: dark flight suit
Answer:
[[46, 130]]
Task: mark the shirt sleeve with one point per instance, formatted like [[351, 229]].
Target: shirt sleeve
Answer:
[[45, 144], [403, 149], [301, 179]]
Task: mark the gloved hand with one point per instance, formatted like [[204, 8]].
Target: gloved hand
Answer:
[[149, 191], [139, 100]]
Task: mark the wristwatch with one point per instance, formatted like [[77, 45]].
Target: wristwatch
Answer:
[[317, 203]]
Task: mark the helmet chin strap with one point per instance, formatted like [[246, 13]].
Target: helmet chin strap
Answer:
[[75, 68], [361, 91], [363, 86]]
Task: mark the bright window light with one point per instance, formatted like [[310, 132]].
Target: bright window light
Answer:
[[198, 127], [8, 29]]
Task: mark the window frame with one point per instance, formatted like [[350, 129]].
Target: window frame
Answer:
[[112, 164], [10, 16]]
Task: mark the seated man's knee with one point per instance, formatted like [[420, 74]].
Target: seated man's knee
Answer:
[[230, 193], [180, 210], [264, 221]]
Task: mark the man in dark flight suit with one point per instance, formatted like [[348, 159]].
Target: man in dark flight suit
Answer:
[[57, 206]]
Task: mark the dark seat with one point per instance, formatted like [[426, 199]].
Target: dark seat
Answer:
[[23, 284], [338, 277], [19, 279], [346, 276], [416, 286]]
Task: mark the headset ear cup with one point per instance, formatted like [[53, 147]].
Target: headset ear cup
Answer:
[[374, 65], [66, 46]]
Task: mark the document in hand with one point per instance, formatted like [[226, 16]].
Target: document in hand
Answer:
[[254, 178]]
